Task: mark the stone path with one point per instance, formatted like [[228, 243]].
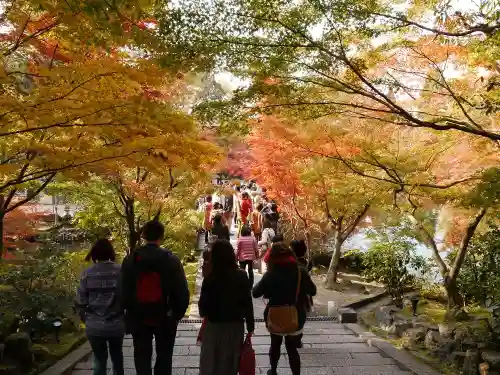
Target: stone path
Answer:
[[329, 349]]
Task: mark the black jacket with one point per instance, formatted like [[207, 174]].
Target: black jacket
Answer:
[[221, 231], [226, 298], [172, 272], [279, 286]]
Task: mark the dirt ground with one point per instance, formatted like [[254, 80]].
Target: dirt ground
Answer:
[[350, 288]]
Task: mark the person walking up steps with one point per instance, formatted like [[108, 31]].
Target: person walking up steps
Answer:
[[99, 307], [156, 300], [207, 221], [225, 304], [246, 208], [247, 251], [256, 221], [265, 241], [219, 229], [236, 205], [287, 286], [228, 208]]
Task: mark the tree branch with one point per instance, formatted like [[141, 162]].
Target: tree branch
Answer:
[[483, 28], [429, 239], [350, 228], [29, 197], [47, 172]]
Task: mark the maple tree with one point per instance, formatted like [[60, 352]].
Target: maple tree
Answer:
[[21, 225], [265, 158], [412, 171], [372, 60], [423, 171], [322, 194], [83, 93], [120, 203]]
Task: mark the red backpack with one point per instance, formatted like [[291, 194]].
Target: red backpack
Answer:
[[151, 295]]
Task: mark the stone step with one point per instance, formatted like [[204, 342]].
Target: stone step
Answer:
[[355, 370], [329, 349], [262, 360], [335, 350]]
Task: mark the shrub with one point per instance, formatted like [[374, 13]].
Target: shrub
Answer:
[[354, 260], [479, 279], [39, 290], [391, 260]]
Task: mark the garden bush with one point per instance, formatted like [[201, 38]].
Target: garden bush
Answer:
[[479, 279], [391, 260], [39, 290], [354, 260]]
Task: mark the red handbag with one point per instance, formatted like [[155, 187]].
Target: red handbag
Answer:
[[266, 256], [199, 339], [247, 358]]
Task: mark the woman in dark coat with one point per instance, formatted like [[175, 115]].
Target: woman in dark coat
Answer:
[[279, 286], [226, 304], [219, 229]]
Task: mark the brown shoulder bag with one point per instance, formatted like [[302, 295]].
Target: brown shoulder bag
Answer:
[[284, 320]]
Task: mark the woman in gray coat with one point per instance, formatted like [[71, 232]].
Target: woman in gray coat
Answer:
[[98, 303]]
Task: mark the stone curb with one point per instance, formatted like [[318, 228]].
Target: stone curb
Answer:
[[65, 366], [405, 360], [193, 311], [366, 301]]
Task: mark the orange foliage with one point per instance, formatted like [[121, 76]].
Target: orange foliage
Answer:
[[19, 225], [273, 157]]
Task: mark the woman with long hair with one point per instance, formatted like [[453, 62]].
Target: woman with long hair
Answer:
[[286, 283], [219, 229], [225, 304], [246, 251], [98, 304]]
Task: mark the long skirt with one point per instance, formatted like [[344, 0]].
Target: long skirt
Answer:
[[220, 348]]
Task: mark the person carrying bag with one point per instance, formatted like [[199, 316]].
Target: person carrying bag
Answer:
[[285, 319], [287, 286]]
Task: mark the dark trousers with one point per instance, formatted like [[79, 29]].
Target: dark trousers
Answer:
[[248, 264], [100, 346], [143, 348], [291, 344]]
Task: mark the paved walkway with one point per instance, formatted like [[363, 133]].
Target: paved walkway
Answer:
[[329, 349]]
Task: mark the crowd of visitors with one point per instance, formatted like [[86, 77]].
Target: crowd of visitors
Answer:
[[148, 294]]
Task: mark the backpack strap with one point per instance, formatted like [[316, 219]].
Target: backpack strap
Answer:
[[299, 277]]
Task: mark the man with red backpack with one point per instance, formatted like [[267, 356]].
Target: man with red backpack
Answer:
[[155, 300]]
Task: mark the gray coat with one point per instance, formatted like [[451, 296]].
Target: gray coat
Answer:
[[98, 300]]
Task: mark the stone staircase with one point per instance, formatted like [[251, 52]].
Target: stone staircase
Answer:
[[329, 349]]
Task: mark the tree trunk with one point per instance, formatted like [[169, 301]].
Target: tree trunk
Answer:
[[331, 277], [133, 236], [308, 242], [454, 297], [450, 280]]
